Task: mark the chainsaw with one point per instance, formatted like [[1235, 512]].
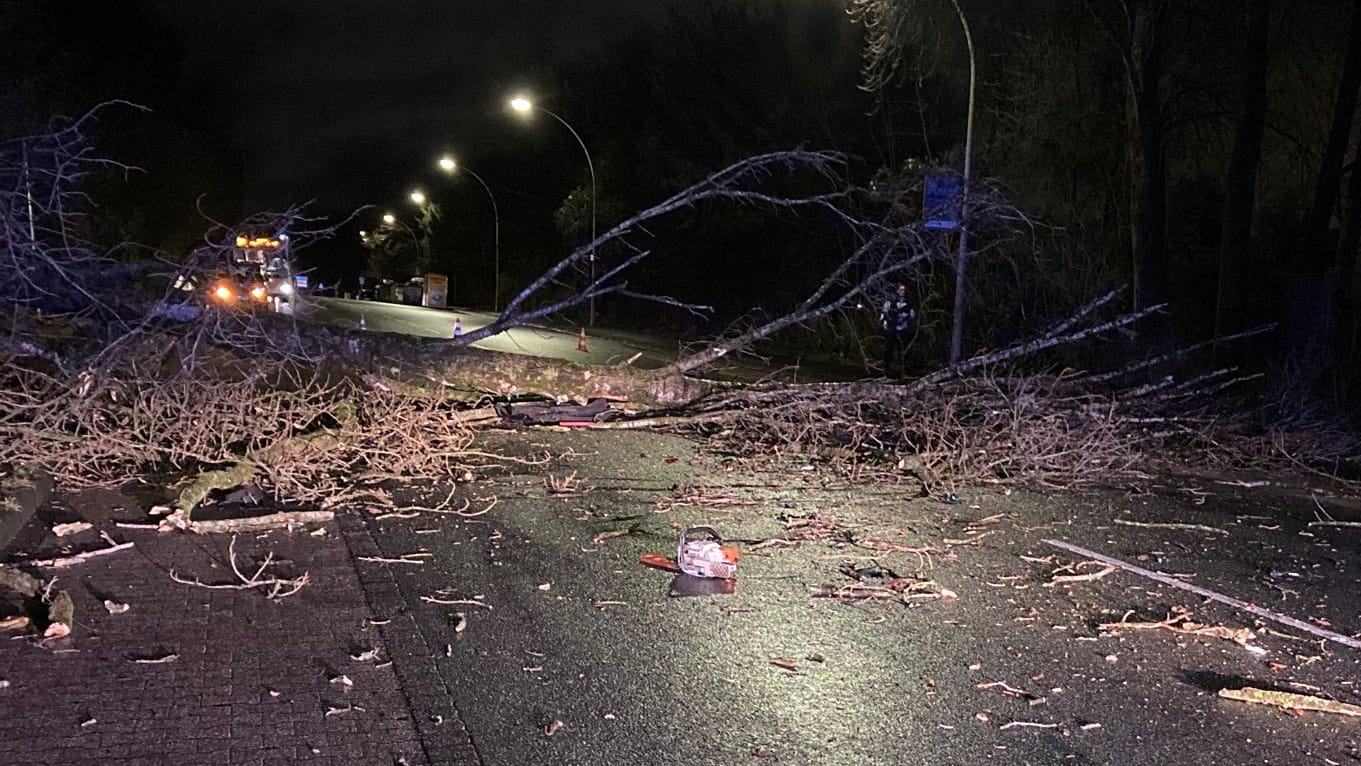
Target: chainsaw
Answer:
[[700, 553]]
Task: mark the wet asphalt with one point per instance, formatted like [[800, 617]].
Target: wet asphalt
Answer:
[[572, 635]]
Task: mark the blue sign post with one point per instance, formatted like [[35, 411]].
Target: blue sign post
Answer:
[[941, 202]]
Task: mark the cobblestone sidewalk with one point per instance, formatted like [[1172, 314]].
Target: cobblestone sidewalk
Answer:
[[192, 675]]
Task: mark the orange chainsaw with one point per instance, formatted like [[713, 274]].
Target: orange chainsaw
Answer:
[[701, 553]]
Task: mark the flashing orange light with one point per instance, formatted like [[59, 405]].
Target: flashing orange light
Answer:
[[244, 242], [223, 293], [258, 293]]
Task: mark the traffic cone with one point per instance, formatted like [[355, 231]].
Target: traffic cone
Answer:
[[362, 324], [581, 342], [458, 327]]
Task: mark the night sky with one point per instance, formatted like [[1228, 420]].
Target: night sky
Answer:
[[361, 96], [257, 106]]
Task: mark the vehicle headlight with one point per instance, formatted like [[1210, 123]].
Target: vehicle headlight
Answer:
[[223, 293], [258, 293], [286, 289]]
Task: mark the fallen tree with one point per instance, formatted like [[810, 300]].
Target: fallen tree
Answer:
[[116, 385]]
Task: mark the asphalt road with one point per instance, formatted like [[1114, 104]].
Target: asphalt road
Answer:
[[1012, 671], [603, 346]]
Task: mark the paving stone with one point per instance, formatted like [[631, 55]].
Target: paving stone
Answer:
[[211, 703]]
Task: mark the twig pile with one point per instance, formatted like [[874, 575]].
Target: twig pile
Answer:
[[306, 432], [1005, 427]]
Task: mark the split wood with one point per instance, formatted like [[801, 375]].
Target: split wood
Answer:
[[279, 588], [1213, 596], [1153, 525], [1290, 700]]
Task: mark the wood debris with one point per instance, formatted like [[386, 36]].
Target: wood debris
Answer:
[[72, 528], [405, 558], [79, 558], [1187, 527], [1290, 700], [155, 659], [1180, 621], [1008, 690], [1058, 580], [1207, 593], [338, 709], [570, 484], [275, 588], [455, 601], [619, 532], [282, 520], [1027, 725]]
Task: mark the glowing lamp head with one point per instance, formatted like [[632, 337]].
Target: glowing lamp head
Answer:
[[447, 164], [418, 197], [521, 104], [389, 219]]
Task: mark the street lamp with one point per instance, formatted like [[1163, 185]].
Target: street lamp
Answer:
[[418, 196], [449, 165], [391, 220], [523, 105]]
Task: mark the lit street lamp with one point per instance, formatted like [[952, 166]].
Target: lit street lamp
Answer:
[[523, 105], [391, 220], [418, 196], [449, 165]]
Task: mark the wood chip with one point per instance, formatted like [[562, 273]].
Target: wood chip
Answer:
[[75, 527]]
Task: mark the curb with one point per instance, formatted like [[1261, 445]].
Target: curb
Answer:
[[444, 737]]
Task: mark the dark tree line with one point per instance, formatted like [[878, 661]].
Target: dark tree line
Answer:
[[1214, 144]]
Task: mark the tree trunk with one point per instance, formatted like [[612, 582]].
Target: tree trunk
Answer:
[[1240, 183], [1317, 253], [1148, 173], [1347, 253]]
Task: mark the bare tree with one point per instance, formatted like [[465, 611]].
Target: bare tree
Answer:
[[1318, 255], [1241, 179]]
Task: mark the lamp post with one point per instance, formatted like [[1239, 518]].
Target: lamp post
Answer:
[[962, 259], [523, 105], [449, 165], [391, 220]]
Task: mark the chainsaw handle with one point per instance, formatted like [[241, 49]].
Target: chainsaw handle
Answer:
[[705, 530]]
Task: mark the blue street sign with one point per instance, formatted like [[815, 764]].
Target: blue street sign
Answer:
[[941, 202], [300, 281]]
